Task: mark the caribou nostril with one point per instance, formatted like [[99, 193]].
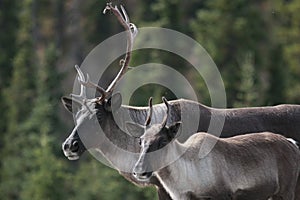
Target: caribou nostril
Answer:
[[144, 174], [75, 146], [75, 143], [66, 146]]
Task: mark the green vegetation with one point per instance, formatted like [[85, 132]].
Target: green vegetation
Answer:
[[255, 44]]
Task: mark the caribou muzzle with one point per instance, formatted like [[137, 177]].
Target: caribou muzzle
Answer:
[[73, 148], [142, 171], [144, 176]]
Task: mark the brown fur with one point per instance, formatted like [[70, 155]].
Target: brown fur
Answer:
[[283, 119], [266, 159]]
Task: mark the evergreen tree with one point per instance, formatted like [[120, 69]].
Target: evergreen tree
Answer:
[[9, 23], [247, 91], [287, 21], [95, 181], [228, 30], [18, 97], [32, 100], [34, 45], [97, 26], [46, 175], [278, 78]]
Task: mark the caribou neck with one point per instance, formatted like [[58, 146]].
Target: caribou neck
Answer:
[[113, 124], [115, 144]]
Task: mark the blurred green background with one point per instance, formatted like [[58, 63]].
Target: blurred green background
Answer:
[[255, 44]]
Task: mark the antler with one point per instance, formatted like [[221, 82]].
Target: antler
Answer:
[[164, 122], [81, 78], [131, 34], [81, 98], [88, 83], [148, 120]]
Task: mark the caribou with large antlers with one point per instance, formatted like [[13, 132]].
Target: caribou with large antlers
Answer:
[[252, 166], [283, 119], [101, 107]]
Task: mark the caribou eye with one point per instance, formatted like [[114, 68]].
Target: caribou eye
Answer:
[[140, 141]]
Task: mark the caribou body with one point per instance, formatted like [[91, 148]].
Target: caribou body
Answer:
[[256, 166], [284, 119]]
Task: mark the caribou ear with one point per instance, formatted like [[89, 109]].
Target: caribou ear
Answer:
[[135, 130], [114, 102], [67, 102], [173, 130]]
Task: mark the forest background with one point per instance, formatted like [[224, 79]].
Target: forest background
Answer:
[[255, 44]]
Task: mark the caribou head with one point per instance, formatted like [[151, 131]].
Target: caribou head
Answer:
[[152, 137], [84, 108]]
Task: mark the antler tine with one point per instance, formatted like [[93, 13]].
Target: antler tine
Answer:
[[81, 98], [79, 72], [124, 14], [132, 27], [164, 122], [81, 78], [148, 120], [90, 84], [131, 33], [86, 83]]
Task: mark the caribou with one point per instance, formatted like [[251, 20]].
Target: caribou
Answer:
[[282, 119], [257, 166], [101, 107]]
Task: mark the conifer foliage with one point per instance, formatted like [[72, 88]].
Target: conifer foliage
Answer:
[[255, 45]]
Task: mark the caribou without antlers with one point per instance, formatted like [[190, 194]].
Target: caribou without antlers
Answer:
[[283, 119], [257, 166]]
